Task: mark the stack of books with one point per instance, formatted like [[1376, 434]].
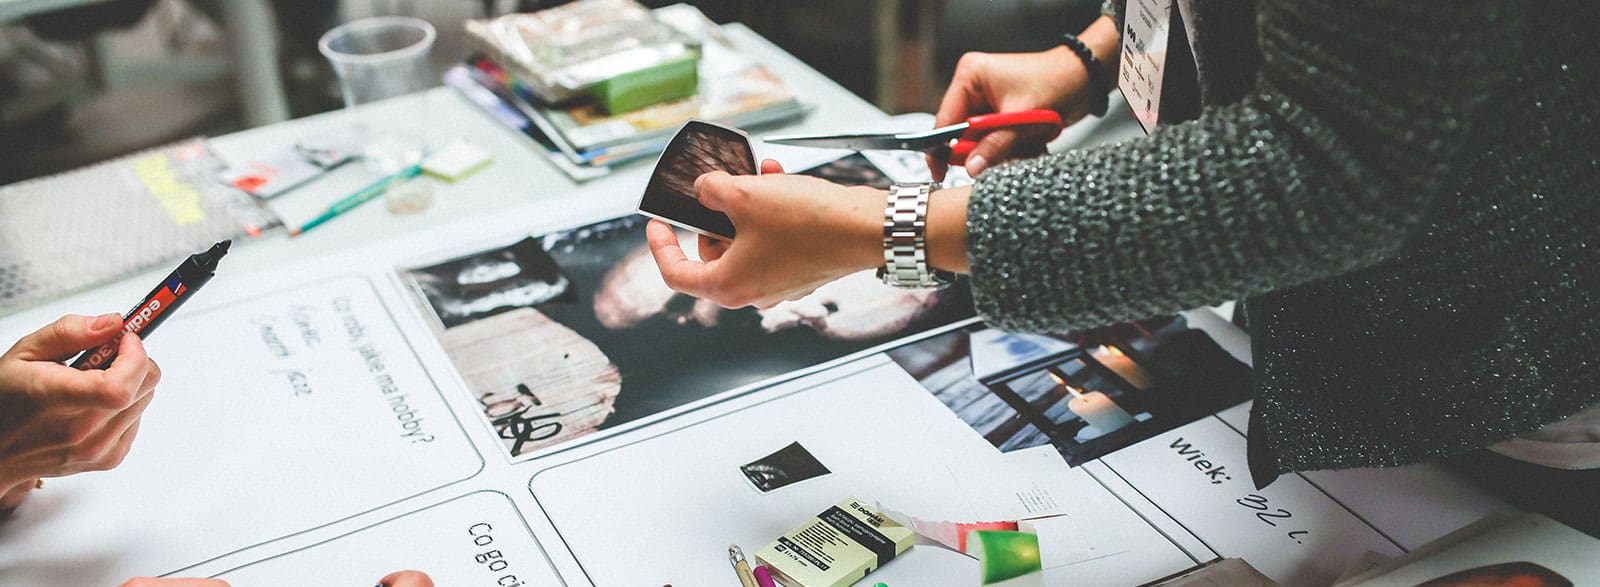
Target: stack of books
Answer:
[[585, 141]]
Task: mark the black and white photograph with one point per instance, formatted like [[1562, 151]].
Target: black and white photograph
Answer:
[[1087, 393], [698, 148], [616, 345], [789, 465], [491, 282]]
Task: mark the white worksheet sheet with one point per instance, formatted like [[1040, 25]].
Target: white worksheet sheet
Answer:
[[311, 429]]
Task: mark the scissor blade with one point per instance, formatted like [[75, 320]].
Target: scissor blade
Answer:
[[867, 142]]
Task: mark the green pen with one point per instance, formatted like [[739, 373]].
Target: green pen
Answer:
[[358, 198]]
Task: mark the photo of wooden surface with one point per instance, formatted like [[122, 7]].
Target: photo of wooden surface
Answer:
[[540, 383]]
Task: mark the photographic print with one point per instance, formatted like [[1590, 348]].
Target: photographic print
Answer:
[[697, 149], [616, 345], [491, 282], [852, 169], [791, 464], [1087, 393]]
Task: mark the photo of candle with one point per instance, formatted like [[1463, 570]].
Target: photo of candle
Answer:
[[1088, 400], [1114, 359], [1095, 408]]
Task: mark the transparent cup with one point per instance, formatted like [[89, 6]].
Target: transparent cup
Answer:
[[380, 57]]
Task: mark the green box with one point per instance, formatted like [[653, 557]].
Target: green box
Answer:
[[671, 80]]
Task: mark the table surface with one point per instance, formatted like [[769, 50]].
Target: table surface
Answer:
[[519, 181], [519, 189]]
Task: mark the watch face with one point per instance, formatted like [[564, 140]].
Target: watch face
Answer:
[[698, 148]]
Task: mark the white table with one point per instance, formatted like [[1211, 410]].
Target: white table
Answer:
[[520, 191], [517, 183]]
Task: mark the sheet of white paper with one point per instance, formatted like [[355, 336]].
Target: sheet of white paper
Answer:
[[1290, 531], [278, 413], [476, 539], [885, 439]]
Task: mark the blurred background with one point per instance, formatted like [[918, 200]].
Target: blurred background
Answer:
[[86, 80]]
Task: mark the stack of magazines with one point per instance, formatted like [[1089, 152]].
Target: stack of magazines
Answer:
[[579, 135]]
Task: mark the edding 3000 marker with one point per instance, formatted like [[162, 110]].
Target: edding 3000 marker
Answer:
[[177, 288]]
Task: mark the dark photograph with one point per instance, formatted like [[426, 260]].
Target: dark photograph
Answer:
[[1087, 393], [697, 149], [791, 464], [616, 345], [852, 169], [491, 282]]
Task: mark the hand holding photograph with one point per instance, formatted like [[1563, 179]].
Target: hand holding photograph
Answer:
[[697, 149], [574, 332]]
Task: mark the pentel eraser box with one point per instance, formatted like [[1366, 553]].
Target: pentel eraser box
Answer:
[[836, 548]]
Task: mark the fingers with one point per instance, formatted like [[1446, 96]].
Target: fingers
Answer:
[[109, 445], [677, 270], [127, 375], [152, 378], [994, 147], [939, 167], [155, 582], [711, 249], [406, 579], [68, 336], [115, 388], [964, 98], [14, 496], [1005, 144], [770, 166], [711, 189]]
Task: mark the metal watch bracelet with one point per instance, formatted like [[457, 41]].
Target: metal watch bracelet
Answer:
[[905, 243]]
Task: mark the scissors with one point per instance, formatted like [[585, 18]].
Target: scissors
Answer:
[[957, 139]]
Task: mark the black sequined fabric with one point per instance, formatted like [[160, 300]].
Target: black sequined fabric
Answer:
[[1406, 197]]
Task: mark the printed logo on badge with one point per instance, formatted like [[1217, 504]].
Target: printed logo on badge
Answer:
[[1144, 58]]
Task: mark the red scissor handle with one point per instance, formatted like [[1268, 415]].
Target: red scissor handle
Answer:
[[1043, 124]]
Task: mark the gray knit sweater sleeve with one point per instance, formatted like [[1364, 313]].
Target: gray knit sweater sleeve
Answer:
[[1326, 166]]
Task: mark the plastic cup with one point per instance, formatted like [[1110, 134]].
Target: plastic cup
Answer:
[[1003, 554], [380, 57]]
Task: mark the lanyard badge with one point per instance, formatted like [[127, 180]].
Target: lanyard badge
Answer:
[[1144, 58]]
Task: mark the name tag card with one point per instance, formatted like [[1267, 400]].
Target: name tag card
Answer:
[[1144, 58]]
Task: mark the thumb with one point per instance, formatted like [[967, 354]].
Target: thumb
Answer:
[[14, 496], [771, 166], [993, 148], [712, 190], [67, 336], [406, 579]]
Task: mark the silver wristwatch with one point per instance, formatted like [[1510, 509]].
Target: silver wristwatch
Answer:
[[905, 243]]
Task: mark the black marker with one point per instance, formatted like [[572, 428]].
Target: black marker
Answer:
[[177, 288]]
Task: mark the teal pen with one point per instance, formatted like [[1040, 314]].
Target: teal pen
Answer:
[[358, 198]]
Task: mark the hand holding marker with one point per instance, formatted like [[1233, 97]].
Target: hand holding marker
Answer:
[[176, 289]]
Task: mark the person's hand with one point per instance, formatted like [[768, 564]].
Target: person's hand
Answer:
[[406, 579], [56, 420], [396, 579], [632, 292], [1007, 82], [156, 582], [795, 233]]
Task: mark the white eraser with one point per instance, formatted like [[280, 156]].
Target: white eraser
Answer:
[[456, 160]]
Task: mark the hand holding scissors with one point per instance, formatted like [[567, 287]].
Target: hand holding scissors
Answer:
[[947, 143]]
